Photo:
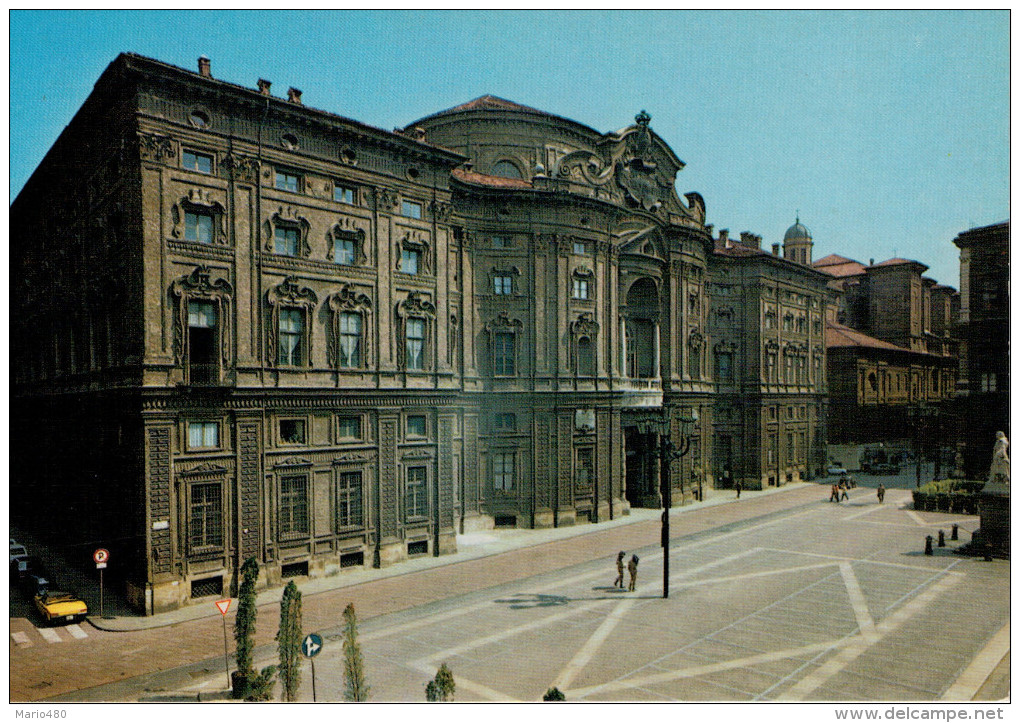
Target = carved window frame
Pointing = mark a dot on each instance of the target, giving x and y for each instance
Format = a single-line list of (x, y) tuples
[(295, 469), (355, 235), (503, 324), (513, 272), (199, 201), (582, 274), (344, 495), (288, 294), (286, 217), (414, 515), (728, 349), (416, 306), (584, 327), (210, 474), (199, 286), (349, 301), (418, 241)]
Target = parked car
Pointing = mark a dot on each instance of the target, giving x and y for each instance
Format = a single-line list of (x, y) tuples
[(885, 468), (35, 579), (19, 558), (59, 606), (834, 470)]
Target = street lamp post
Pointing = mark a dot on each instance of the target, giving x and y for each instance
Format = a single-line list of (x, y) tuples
[(667, 453)]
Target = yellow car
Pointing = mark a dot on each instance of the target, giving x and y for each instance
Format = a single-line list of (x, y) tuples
[(58, 606)]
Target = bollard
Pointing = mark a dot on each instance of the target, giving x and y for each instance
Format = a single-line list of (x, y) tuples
[(956, 533), (927, 546), (942, 538)]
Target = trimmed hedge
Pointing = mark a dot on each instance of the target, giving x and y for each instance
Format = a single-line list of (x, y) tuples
[(948, 495)]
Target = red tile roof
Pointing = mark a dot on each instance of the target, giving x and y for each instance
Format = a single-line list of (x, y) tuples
[(481, 179), (839, 266), (837, 335), (900, 262)]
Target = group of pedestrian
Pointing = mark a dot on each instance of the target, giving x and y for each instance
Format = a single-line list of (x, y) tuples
[(839, 490), (631, 568)]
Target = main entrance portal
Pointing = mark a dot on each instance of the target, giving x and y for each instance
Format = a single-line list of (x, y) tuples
[(642, 468)]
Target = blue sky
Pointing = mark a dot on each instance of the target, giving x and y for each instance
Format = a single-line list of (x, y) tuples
[(888, 131)]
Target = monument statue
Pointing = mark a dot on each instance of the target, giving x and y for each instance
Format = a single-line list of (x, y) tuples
[(998, 475)]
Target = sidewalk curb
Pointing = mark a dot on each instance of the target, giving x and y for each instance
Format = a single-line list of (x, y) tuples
[(196, 611)]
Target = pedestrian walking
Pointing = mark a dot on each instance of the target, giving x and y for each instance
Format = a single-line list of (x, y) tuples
[(618, 582), (739, 487), (842, 489), (834, 497), (632, 568), (881, 493)]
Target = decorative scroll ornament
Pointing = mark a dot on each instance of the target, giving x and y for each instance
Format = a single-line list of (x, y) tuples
[(294, 462), (441, 211), (346, 229), (205, 469), (160, 149), (387, 199), (243, 169), (503, 321), (695, 340), (200, 285), (416, 304), (584, 325)]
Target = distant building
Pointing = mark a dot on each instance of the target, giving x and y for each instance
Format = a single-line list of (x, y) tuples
[(891, 353), (984, 335), (243, 327)]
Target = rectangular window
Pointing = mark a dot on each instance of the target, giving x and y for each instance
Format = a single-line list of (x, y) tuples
[(197, 162), (502, 285), (584, 473), (350, 428), (343, 194), (203, 364), (989, 382), (286, 181), (350, 340), (409, 259), (293, 505), (349, 499), (503, 353), (205, 527), (502, 242), (503, 471), (292, 431), (198, 227), (292, 325), (415, 343), (287, 240), (725, 360), (580, 288), (505, 421), (343, 251), (203, 435), (411, 209), (416, 492), (416, 425), (580, 247)]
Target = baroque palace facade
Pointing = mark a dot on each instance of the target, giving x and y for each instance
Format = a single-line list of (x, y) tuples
[(244, 327)]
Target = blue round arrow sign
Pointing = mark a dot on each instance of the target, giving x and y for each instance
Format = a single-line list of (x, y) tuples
[(311, 645)]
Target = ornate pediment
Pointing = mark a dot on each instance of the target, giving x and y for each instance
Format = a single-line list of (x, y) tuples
[(206, 469), (349, 299), (502, 320), (294, 462), (289, 293), (244, 169), (584, 325), (161, 149), (416, 304)]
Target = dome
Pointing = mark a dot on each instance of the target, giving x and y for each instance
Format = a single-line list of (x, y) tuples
[(797, 232)]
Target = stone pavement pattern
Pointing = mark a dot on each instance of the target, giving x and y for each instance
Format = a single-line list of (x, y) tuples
[(783, 597)]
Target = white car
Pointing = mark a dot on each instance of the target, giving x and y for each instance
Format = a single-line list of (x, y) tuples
[(835, 470), (19, 557)]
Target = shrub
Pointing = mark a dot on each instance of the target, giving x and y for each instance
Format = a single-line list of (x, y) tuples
[(553, 695), (441, 688)]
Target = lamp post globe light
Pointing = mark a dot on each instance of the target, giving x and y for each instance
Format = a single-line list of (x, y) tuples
[(667, 453)]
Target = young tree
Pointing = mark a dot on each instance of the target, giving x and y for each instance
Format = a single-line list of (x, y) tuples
[(553, 695), (260, 687), (244, 628), (355, 688), (441, 688), (288, 640)]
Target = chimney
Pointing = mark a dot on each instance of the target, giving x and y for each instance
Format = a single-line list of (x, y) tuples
[(775, 249), (294, 95), (264, 86), (750, 240), (724, 236), (203, 67), (871, 262)]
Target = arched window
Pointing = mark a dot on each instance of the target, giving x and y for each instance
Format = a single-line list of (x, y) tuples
[(506, 169)]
